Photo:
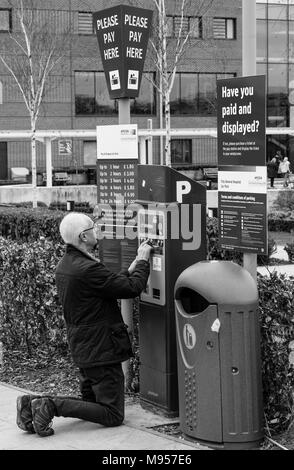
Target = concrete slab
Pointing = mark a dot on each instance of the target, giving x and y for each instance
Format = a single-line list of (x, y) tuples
[(74, 434)]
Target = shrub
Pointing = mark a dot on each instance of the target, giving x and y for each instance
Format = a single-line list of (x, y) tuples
[(30, 313), (24, 224), (281, 221), (284, 201), (78, 207), (214, 252), (289, 248), (276, 306)]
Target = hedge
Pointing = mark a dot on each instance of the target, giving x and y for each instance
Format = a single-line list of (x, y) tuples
[(25, 224), (276, 306), (20, 222), (281, 221), (31, 316)]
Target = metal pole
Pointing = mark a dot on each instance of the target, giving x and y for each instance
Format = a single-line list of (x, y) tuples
[(142, 147), (249, 68), (248, 37), (150, 145), (124, 117), (160, 82), (48, 162)]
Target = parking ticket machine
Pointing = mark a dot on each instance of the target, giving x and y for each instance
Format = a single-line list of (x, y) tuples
[(172, 217)]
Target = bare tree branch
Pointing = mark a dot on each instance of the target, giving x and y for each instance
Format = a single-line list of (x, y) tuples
[(36, 48)]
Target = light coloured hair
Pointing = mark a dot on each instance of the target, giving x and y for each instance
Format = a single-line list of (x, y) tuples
[(72, 225)]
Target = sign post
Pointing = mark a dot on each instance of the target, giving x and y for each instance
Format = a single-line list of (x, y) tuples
[(123, 33), (249, 68)]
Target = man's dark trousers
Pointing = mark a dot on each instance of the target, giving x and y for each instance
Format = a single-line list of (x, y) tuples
[(102, 402)]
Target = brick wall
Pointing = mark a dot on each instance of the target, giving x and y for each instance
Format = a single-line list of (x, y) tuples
[(57, 111)]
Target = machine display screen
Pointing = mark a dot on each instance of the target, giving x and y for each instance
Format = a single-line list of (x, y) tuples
[(151, 224)]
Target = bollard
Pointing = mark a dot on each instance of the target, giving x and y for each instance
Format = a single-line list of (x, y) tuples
[(70, 205), (1, 356)]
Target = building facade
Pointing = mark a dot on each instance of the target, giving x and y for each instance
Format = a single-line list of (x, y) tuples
[(76, 95)]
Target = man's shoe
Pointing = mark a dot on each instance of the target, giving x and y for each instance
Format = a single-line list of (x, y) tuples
[(43, 411), (24, 417)]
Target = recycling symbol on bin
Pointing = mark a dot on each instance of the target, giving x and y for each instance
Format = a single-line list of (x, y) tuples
[(189, 336)]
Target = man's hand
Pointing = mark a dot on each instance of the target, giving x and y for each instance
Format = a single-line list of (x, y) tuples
[(143, 252)]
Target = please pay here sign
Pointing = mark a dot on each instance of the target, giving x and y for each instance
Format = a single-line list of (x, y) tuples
[(123, 34)]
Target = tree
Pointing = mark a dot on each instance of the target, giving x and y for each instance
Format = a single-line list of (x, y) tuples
[(170, 50), (169, 44), (36, 46)]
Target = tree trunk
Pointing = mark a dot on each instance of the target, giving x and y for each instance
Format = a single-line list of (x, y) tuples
[(34, 163), (167, 148)]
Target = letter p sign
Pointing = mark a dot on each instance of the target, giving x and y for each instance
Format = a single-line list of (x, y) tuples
[(183, 187)]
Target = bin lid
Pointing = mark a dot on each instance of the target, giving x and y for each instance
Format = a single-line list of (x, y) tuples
[(219, 282)]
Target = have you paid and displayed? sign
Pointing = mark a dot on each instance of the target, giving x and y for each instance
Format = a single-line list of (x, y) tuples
[(123, 34), (242, 174), (241, 121)]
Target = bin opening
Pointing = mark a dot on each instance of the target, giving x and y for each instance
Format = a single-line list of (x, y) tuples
[(192, 301)]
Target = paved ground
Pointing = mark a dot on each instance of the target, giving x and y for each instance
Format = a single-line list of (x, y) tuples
[(75, 434)]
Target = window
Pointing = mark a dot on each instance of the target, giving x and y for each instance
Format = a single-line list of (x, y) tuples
[(181, 151), (277, 95), (277, 40), (85, 22), (5, 20), (103, 104), (207, 93), (85, 92), (195, 93), (177, 25), (277, 12), (145, 103), (92, 98), (261, 40), (224, 28), (184, 96), (260, 11)]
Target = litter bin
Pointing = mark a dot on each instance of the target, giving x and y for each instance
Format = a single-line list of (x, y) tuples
[(218, 355)]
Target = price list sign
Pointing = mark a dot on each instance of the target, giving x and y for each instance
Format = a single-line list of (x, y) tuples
[(117, 160), (116, 182)]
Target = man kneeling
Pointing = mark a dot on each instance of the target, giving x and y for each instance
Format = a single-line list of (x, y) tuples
[(97, 336)]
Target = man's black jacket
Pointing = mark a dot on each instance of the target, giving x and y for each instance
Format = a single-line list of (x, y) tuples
[(88, 292)]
